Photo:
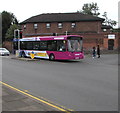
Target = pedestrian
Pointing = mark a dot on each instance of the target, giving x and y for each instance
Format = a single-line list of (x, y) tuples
[(98, 51), (94, 52)]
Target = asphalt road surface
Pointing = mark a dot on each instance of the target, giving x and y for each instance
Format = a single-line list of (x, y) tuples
[(86, 85)]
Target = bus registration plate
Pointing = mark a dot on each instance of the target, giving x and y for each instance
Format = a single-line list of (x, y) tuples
[(76, 57)]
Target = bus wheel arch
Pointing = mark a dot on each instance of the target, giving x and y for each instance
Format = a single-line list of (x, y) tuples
[(51, 56)]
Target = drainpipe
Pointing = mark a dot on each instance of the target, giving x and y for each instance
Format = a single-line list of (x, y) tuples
[(66, 33)]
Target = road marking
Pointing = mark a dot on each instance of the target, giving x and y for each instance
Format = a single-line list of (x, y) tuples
[(36, 98)]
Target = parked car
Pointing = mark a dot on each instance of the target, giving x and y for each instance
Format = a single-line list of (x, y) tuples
[(4, 52)]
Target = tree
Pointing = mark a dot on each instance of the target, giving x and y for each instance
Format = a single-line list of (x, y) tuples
[(91, 9), (8, 19), (107, 21), (10, 32)]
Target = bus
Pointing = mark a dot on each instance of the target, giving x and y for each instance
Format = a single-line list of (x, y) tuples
[(67, 47)]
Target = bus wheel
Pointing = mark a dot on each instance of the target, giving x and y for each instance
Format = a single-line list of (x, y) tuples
[(51, 57)]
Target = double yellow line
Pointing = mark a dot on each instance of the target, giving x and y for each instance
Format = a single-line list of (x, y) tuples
[(36, 98)]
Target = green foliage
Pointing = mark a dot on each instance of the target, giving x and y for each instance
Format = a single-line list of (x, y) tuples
[(8, 19), (10, 32), (91, 9), (107, 21)]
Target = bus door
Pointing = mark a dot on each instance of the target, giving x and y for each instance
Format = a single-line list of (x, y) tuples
[(61, 48), (110, 44)]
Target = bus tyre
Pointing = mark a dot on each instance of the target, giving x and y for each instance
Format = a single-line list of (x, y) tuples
[(51, 57)]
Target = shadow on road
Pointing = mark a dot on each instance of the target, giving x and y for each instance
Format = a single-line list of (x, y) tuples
[(63, 61)]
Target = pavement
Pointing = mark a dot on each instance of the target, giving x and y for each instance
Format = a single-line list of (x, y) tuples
[(15, 101)]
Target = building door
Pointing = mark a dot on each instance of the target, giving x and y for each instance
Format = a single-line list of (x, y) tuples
[(110, 44)]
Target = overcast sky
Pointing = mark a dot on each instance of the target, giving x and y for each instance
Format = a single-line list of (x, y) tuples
[(24, 9)]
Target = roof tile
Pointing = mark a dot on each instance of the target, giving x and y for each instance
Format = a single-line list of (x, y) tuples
[(61, 17)]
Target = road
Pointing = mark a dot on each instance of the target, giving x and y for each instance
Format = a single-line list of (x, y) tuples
[(86, 85)]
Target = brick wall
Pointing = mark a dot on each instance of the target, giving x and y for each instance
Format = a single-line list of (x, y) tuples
[(8, 45), (80, 27)]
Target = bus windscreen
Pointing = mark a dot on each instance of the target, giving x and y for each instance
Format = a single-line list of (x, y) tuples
[(75, 44)]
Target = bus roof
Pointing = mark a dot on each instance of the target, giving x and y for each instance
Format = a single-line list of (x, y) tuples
[(62, 37)]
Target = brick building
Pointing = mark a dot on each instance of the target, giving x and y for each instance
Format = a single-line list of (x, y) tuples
[(90, 27)]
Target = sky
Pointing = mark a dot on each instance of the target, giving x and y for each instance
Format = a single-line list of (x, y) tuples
[(24, 9)]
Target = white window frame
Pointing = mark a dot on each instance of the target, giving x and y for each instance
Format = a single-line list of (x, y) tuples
[(48, 25), (104, 30), (60, 25), (24, 26), (73, 24), (35, 26)]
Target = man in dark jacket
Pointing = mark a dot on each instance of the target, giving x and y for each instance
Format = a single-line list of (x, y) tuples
[(98, 51)]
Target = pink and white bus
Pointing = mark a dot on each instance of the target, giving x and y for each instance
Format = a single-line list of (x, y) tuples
[(65, 47)]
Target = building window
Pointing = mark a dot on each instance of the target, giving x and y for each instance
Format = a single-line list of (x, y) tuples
[(60, 25), (48, 25), (35, 26), (104, 30), (24, 26), (73, 25)]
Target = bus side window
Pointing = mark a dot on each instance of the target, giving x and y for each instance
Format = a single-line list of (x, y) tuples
[(52, 45), (36, 45), (23, 45), (43, 45), (49, 45), (29, 45)]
